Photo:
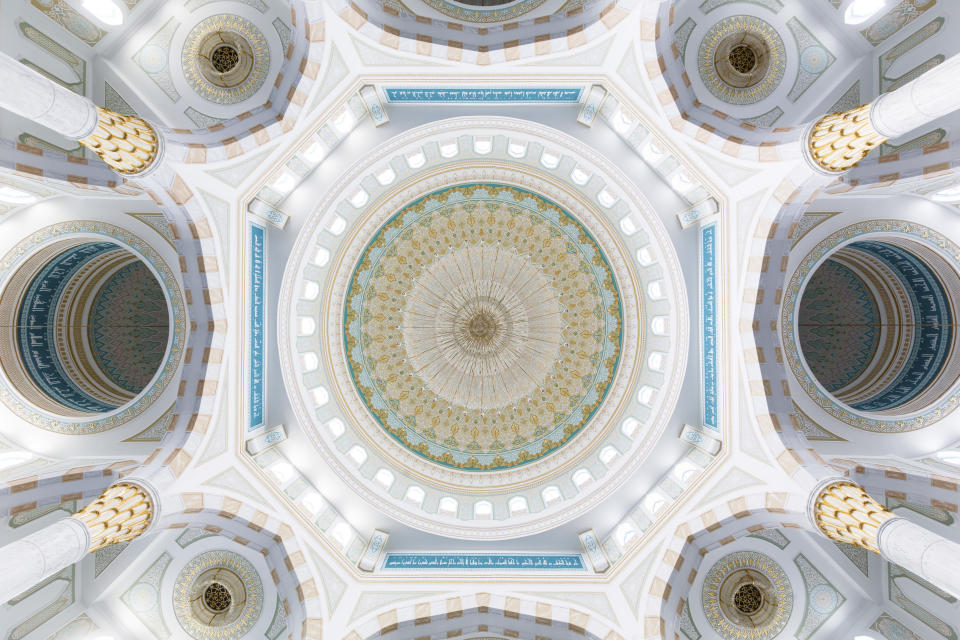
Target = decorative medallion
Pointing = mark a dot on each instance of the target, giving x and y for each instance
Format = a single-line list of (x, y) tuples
[(869, 393), (99, 379), (218, 596), (742, 60), (483, 326), (747, 596), (484, 11), (225, 59)]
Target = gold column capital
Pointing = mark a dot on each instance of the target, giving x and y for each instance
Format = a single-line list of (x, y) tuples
[(844, 512), (839, 141), (128, 144), (121, 513)]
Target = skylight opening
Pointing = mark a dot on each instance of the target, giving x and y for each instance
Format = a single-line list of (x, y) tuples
[(282, 472), (386, 176), (579, 176), (306, 325), (310, 290), (284, 182), (622, 122), (448, 506), (315, 152), (358, 454), (518, 505), (608, 454), (550, 495), (629, 427), (624, 534), (483, 510), (416, 160), (644, 257), (415, 495), (341, 534), (336, 225), (582, 477), (653, 152), (659, 326), (860, 11), (449, 149), (106, 11), (606, 198), (344, 122), (384, 477), (483, 144), (628, 226), (309, 360), (359, 198), (655, 502), (336, 427), (516, 149), (313, 502), (656, 360), (321, 256), (645, 395), (320, 395), (549, 160)]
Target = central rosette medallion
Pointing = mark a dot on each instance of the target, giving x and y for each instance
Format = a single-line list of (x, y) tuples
[(482, 326)]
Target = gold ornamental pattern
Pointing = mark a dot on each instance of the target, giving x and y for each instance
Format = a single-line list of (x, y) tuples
[(121, 513), (840, 140), (846, 513), (482, 327), (127, 144)]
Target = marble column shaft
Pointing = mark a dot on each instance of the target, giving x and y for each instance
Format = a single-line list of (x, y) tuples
[(31, 95), (121, 513), (920, 102), (922, 551), (41, 554)]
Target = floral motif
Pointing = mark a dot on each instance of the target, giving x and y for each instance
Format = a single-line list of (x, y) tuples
[(483, 326)]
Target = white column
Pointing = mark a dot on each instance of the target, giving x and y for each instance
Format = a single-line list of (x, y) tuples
[(921, 551), (29, 94), (919, 102), (41, 554)]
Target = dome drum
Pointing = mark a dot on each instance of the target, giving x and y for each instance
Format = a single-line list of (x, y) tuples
[(465, 270), (871, 329), (94, 327)]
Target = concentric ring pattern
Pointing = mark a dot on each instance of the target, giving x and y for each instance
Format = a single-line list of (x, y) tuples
[(483, 326)]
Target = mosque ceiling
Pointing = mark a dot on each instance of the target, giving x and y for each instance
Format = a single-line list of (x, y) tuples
[(484, 319)]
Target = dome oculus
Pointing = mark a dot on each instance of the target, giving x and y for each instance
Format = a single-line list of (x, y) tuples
[(482, 326), (742, 60)]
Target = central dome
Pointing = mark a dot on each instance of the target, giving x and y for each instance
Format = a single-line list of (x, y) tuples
[(483, 326)]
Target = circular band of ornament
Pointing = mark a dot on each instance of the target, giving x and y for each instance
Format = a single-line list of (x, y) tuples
[(212, 45), (881, 229), (11, 274), (509, 322), (742, 60), (218, 595), (476, 329), (747, 596)]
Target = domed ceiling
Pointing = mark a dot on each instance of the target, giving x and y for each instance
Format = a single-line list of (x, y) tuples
[(483, 329)]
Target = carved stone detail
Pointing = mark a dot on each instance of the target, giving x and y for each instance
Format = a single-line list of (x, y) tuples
[(128, 144), (845, 513), (839, 141), (120, 514)]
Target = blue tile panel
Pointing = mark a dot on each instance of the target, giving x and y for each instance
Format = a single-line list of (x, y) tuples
[(483, 95), (484, 561), (37, 321), (708, 309), (931, 309), (257, 327)]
